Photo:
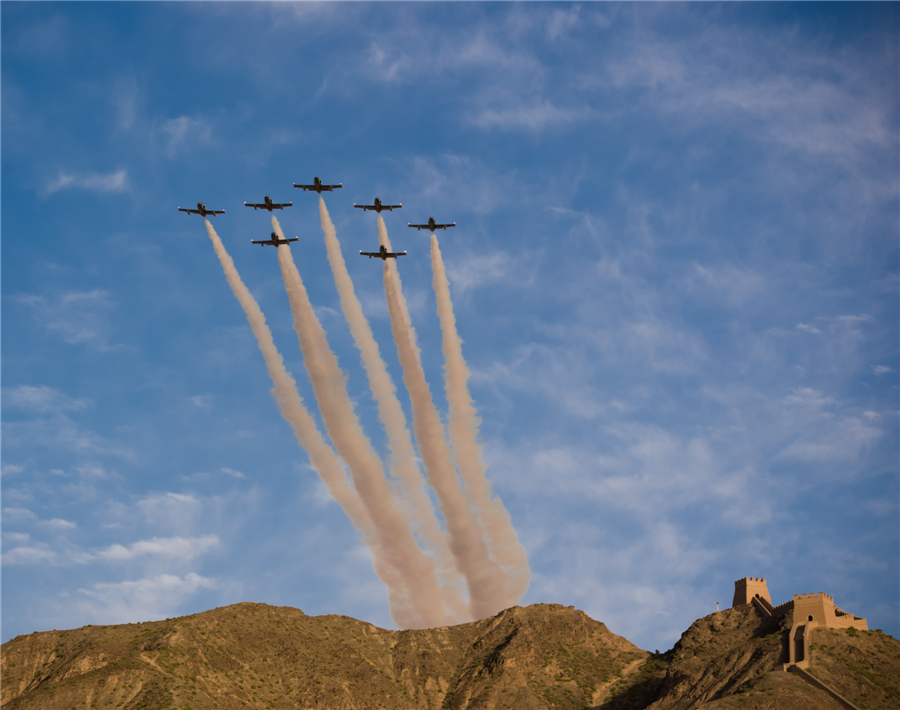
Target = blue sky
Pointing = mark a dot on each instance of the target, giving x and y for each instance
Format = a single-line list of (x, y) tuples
[(675, 271)]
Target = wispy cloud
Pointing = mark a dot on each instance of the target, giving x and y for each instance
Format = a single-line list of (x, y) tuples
[(78, 317), (41, 399), (179, 548), (203, 401), (531, 116), (185, 131), (124, 101), (29, 555), (113, 182), (59, 432), (807, 328), (140, 600)]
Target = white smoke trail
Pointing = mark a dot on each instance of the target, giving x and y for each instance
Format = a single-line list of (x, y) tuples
[(321, 456), (503, 543), (487, 594), (391, 528), (390, 412)]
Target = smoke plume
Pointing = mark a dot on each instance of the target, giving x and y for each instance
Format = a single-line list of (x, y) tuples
[(487, 593), (502, 541), (399, 439), (321, 456), (391, 528)]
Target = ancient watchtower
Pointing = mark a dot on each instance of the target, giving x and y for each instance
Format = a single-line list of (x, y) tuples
[(747, 588)]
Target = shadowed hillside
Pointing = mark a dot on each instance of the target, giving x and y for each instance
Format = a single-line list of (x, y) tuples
[(542, 656)]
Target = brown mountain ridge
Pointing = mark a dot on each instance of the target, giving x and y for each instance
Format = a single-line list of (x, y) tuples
[(536, 657)]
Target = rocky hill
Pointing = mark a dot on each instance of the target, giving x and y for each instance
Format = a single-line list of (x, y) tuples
[(537, 657)]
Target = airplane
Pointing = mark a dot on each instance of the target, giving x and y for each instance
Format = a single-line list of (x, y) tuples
[(201, 210), (269, 205), (383, 254), (378, 206), (275, 241), (431, 225), (318, 186)]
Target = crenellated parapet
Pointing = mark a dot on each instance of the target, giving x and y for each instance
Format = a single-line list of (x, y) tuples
[(815, 595), (783, 608)]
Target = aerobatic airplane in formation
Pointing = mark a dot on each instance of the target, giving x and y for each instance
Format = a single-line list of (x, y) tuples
[(268, 205), (378, 206), (431, 225), (275, 241), (318, 186), (382, 254), (201, 210)]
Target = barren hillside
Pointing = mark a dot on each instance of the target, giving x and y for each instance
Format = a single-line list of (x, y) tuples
[(542, 656)]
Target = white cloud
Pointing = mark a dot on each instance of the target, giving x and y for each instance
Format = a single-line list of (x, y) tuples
[(203, 401), (45, 39), (561, 21), (23, 515), (123, 100), (78, 317), (145, 599), (231, 472), (11, 469), (59, 524), (176, 512), (184, 132), (534, 116), (40, 399), (881, 369), (179, 548), (114, 182), (727, 282), (807, 328), (18, 514), (466, 273), (58, 432), (30, 555), (835, 440)]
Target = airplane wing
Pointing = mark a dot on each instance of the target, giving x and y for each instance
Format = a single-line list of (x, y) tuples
[(370, 254), (264, 242), (215, 212), (183, 209), (281, 206), (364, 208), (391, 207), (256, 207), (389, 255)]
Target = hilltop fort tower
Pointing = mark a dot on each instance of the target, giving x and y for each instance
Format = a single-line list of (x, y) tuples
[(749, 587)]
